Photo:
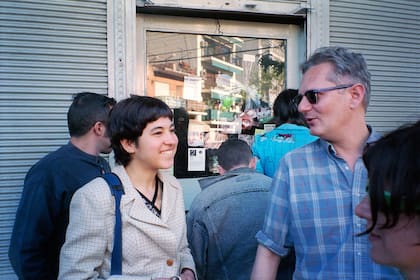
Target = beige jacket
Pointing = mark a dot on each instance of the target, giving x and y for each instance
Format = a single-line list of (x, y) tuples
[(152, 246)]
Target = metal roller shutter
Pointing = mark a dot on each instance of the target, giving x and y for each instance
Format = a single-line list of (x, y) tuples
[(388, 34), (49, 50)]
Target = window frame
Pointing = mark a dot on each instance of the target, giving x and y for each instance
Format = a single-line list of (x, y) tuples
[(293, 34)]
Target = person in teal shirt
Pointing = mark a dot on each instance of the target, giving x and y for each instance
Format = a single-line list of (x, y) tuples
[(290, 133)]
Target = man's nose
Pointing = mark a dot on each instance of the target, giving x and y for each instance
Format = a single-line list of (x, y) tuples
[(304, 105)]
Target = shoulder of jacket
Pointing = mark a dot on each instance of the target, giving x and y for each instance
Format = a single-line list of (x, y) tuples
[(97, 188), (254, 175)]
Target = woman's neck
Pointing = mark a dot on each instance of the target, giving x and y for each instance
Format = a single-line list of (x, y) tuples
[(142, 179)]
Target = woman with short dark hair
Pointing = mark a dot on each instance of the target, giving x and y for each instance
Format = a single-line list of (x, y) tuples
[(154, 243)]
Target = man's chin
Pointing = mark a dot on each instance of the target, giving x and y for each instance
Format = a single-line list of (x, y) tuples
[(107, 151), (314, 131)]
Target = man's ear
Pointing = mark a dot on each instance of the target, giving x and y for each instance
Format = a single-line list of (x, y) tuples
[(99, 129), (253, 163), (128, 145), (221, 170), (357, 92)]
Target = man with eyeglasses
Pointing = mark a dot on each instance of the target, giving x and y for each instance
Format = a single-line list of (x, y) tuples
[(317, 187)]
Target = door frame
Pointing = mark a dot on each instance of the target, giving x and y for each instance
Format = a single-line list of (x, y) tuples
[(293, 34)]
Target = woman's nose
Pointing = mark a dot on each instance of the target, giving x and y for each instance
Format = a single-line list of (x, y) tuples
[(363, 209), (171, 138)]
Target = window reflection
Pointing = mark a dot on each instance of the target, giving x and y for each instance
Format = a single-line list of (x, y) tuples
[(226, 84)]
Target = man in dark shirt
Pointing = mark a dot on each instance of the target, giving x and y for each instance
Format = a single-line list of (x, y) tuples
[(43, 212)]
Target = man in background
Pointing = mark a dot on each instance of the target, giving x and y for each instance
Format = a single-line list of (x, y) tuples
[(225, 216), (43, 212)]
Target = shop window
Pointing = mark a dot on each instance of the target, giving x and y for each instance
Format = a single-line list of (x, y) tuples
[(227, 84)]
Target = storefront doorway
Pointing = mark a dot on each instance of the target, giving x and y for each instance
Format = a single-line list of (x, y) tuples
[(225, 74)]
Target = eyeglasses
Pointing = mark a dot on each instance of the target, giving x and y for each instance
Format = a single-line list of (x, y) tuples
[(312, 94)]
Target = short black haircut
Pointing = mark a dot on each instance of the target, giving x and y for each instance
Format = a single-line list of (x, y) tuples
[(233, 153), (128, 119), (393, 165), (86, 109)]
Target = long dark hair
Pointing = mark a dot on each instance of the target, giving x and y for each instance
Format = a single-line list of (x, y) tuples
[(393, 165), (285, 109)]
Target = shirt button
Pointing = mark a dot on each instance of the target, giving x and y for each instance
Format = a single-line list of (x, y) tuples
[(169, 262), (359, 254)]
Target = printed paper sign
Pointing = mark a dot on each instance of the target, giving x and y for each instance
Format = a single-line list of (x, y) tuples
[(192, 88), (196, 159)]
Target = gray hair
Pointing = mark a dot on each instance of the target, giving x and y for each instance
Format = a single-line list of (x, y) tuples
[(346, 64)]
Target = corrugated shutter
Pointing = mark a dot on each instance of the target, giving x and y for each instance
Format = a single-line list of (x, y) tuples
[(49, 50), (388, 34)]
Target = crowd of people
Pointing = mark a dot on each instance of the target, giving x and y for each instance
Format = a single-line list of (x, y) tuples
[(321, 196)]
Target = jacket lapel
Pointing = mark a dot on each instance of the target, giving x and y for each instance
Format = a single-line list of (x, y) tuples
[(133, 204), (169, 198)]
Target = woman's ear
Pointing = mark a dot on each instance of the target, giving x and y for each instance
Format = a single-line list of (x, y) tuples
[(128, 145)]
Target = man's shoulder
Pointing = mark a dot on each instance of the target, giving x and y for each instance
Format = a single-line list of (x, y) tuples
[(62, 153), (66, 155), (64, 165), (223, 195), (234, 184), (246, 180), (48, 161), (307, 149), (305, 155), (253, 176)]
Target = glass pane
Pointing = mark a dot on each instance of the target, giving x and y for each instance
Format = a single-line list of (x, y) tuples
[(226, 84)]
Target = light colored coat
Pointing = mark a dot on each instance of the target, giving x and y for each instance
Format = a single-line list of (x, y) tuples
[(152, 246)]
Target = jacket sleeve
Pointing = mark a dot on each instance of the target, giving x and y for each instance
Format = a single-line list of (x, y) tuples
[(84, 250), (198, 241), (33, 243), (187, 260)]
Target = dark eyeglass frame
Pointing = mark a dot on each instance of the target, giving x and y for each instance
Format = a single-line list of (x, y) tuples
[(312, 94)]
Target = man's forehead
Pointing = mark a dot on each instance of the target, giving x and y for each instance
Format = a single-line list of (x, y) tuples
[(316, 76)]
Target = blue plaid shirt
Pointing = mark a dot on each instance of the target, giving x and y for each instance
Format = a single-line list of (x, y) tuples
[(314, 194)]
